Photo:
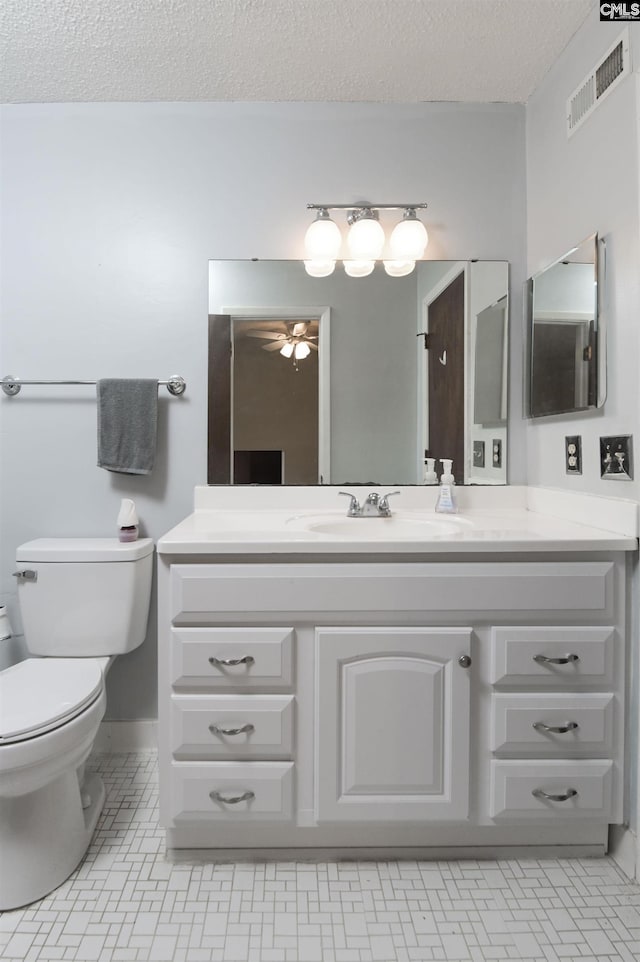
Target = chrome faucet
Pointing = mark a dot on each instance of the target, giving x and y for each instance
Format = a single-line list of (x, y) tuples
[(375, 506)]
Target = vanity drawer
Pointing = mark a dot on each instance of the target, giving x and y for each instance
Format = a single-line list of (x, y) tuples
[(524, 725), (211, 593), (513, 784), (254, 791), (553, 657), (231, 658), (215, 726)]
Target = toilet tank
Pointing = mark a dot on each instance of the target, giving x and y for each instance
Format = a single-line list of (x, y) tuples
[(84, 597)]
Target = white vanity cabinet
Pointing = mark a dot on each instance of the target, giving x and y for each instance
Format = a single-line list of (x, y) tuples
[(408, 705)]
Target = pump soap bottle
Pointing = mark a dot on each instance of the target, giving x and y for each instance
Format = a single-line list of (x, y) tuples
[(430, 476), (446, 503), (127, 521)]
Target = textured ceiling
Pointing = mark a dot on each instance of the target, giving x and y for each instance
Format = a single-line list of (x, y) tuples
[(281, 50)]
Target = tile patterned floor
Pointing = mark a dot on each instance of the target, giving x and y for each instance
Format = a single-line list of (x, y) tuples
[(125, 902)]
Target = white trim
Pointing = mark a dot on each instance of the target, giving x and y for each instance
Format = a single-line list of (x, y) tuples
[(623, 850), (423, 853), (127, 736), (323, 316)]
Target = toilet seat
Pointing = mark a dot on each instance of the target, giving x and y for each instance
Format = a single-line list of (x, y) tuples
[(40, 694)]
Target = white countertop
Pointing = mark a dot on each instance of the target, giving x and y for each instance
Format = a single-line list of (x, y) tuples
[(312, 529)]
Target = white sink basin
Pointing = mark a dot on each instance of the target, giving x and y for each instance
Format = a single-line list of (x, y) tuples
[(396, 528)]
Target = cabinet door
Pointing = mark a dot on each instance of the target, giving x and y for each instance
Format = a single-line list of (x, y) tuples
[(392, 724)]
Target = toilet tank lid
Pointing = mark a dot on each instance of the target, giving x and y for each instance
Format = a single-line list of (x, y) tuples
[(83, 549)]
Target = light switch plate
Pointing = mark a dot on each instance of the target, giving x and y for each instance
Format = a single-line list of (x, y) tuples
[(616, 458), (478, 454)]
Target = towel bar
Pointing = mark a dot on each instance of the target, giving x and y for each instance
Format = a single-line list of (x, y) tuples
[(11, 385)]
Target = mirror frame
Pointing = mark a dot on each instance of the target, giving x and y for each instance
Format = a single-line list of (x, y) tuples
[(597, 343)]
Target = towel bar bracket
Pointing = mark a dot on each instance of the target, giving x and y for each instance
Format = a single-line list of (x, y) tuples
[(11, 385)]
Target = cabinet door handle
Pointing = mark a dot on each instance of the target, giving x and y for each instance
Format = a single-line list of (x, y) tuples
[(545, 660), (245, 797), (232, 662), (556, 729), (245, 730), (551, 797)]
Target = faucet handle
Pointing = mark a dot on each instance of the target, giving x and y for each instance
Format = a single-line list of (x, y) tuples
[(383, 504), (354, 507)]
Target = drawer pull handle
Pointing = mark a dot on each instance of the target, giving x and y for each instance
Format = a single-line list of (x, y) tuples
[(551, 797), (232, 662), (556, 729), (245, 797), (245, 730), (545, 660)]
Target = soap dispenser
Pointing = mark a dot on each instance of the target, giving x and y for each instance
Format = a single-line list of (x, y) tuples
[(430, 476), (446, 503)]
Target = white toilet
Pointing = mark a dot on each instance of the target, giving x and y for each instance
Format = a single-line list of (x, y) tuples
[(82, 601)]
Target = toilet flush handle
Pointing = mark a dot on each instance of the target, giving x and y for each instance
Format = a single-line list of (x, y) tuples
[(27, 575)]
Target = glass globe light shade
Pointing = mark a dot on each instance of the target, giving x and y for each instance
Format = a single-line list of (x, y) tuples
[(323, 238), (287, 349), (301, 351), (399, 268), (319, 268), (365, 239), (408, 239), (358, 268)]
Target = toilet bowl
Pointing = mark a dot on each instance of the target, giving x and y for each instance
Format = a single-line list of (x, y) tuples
[(51, 707)]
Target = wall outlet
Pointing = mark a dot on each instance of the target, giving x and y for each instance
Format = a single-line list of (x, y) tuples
[(616, 462), (573, 454), (496, 453), (478, 454)]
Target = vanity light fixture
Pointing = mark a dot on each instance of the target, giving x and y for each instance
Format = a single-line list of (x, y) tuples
[(365, 240)]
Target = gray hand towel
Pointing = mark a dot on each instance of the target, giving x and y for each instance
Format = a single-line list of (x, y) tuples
[(127, 424)]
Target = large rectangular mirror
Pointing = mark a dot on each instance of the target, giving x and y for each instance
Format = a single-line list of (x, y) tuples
[(564, 334), (339, 380)]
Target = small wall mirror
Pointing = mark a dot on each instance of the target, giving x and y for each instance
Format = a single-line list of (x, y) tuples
[(566, 344), (341, 380)]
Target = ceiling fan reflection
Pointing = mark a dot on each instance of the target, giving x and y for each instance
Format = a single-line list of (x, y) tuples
[(296, 343)]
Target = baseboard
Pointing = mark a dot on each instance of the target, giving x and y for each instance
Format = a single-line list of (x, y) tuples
[(127, 736), (623, 849), (428, 854)]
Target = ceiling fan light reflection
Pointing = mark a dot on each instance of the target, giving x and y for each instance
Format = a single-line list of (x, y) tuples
[(287, 349), (409, 238), (359, 268), (301, 351), (319, 268), (399, 268), (365, 239)]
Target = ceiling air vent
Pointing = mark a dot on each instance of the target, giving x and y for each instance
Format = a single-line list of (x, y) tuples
[(604, 78)]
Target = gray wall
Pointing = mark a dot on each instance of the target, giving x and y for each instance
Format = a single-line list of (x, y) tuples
[(110, 213), (574, 188)]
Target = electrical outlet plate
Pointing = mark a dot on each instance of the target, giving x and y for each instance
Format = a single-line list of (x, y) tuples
[(573, 454), (496, 453), (616, 458), (478, 454)]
